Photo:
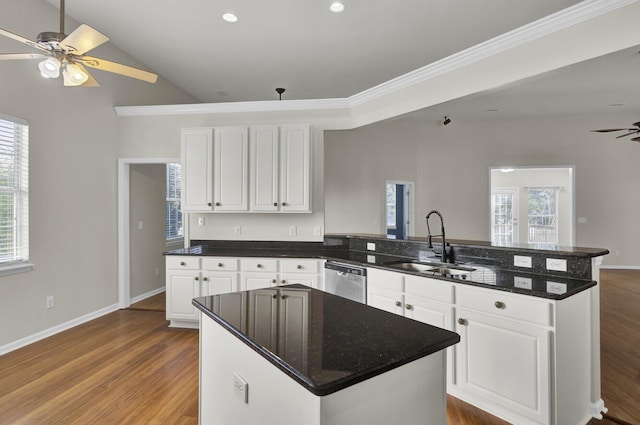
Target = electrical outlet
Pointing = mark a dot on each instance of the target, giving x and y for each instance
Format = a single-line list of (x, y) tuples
[(240, 388), (293, 230), (201, 221), (237, 230), (371, 246), (317, 230), (140, 225), (157, 271), (50, 301), (557, 264), (522, 261), (522, 282)]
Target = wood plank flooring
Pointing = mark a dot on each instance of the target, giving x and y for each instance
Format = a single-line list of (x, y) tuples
[(156, 302), (129, 368)]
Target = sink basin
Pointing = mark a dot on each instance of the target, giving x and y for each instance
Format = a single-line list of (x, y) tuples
[(440, 269)]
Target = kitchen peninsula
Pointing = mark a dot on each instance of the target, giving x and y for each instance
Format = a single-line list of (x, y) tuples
[(295, 355)]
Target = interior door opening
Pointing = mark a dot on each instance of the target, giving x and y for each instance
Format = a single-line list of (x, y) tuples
[(399, 209)]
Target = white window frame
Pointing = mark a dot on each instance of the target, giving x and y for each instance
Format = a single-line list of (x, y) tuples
[(14, 148)]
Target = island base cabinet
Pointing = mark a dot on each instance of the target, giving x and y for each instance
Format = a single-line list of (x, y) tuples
[(413, 393)]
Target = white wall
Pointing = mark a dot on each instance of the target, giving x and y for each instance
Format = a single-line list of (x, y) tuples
[(73, 136), (147, 205), (450, 166)]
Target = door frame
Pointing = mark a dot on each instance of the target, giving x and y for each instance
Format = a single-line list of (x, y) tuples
[(124, 254)]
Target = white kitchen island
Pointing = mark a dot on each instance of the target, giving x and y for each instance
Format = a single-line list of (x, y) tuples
[(294, 355)]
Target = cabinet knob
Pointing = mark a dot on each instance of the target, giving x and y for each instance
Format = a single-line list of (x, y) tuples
[(182, 263), (398, 304), (462, 321), (499, 304), (274, 296), (206, 279), (299, 267), (220, 265), (196, 278), (259, 266), (409, 306), (283, 281), (217, 204), (208, 203), (273, 281), (284, 204), (284, 297), (275, 204)]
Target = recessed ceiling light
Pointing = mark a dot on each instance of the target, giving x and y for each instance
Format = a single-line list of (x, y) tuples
[(230, 17), (492, 110), (336, 7)]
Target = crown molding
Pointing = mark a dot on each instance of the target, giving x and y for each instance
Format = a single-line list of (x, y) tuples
[(583, 11)]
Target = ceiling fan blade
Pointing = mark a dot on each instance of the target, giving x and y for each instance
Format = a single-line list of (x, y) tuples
[(628, 134), (636, 139), (117, 68), (607, 130), (83, 39), (14, 56), (21, 39)]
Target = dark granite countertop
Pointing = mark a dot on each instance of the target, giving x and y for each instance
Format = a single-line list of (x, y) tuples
[(346, 342)]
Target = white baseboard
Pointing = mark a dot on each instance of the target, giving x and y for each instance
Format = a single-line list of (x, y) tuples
[(23, 342), (620, 267), (147, 295)]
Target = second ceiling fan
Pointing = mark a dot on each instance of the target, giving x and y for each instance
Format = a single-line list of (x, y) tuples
[(65, 54)]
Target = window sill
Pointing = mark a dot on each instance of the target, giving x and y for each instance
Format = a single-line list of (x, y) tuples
[(15, 268)]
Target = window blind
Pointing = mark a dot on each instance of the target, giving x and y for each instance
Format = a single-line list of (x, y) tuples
[(14, 190)]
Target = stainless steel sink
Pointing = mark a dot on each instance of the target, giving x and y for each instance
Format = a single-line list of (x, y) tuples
[(440, 269)]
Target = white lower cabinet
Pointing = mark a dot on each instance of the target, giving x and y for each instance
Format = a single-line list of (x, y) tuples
[(522, 358), (190, 277)]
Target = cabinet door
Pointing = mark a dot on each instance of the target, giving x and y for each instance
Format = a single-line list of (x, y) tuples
[(231, 169), (197, 169), (182, 287), (309, 280), (384, 299), (505, 363), (293, 328), (295, 168), (214, 283), (262, 325), (251, 281), (264, 154)]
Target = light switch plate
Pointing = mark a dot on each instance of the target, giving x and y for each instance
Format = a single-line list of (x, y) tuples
[(522, 261), (557, 264)]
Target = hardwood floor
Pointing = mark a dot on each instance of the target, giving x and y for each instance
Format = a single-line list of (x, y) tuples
[(155, 303), (129, 368)]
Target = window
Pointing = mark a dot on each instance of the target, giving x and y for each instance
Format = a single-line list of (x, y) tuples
[(174, 213), (504, 210), (14, 193), (543, 215)]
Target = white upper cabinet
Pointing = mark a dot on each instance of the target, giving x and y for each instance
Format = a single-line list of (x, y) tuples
[(197, 170), (265, 181), (280, 167), (230, 181), (295, 168)]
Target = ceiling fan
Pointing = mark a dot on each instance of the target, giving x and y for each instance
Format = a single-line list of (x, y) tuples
[(66, 54), (629, 131)]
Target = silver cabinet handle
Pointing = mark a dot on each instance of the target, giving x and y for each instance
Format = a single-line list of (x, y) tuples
[(220, 265), (206, 279), (283, 281), (299, 266), (273, 281), (462, 321), (398, 304), (409, 306), (182, 263), (499, 304), (259, 266)]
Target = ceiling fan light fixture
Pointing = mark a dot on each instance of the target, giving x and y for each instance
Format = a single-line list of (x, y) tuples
[(74, 75), (50, 68)]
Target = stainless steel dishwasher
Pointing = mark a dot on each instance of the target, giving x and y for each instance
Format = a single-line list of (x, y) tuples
[(346, 280)]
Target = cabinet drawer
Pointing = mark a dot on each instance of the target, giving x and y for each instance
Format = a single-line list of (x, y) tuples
[(184, 263), (385, 279), (258, 265), (226, 264), (528, 309), (300, 266), (432, 289)]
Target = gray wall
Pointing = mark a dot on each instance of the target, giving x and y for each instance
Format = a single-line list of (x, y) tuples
[(147, 205), (73, 136), (450, 166)]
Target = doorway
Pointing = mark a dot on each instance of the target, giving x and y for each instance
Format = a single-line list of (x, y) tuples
[(125, 223), (532, 205), (399, 209)]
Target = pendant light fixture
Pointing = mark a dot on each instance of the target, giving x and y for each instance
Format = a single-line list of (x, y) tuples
[(73, 75), (50, 68)]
